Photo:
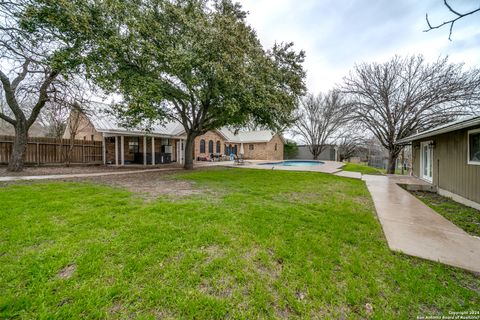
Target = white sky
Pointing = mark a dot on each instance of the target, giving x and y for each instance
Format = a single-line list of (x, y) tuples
[(336, 34)]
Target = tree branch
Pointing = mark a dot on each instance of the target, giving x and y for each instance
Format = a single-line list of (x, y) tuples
[(449, 22)]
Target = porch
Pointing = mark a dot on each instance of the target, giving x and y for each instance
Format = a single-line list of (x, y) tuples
[(122, 150)]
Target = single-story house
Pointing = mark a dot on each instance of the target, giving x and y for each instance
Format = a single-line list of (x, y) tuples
[(167, 141), (448, 157), (329, 153), (256, 145)]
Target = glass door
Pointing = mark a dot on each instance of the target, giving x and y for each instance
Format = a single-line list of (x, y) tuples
[(427, 161)]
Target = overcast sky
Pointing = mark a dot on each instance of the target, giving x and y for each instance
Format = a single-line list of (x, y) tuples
[(336, 34)]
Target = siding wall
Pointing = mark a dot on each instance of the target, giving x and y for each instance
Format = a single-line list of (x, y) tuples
[(451, 171)]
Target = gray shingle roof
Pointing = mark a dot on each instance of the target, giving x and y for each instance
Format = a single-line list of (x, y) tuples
[(106, 122)]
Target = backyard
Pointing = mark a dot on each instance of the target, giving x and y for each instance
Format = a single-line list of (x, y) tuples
[(220, 243)]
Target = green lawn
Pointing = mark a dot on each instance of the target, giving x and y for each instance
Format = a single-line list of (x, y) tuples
[(256, 244), (362, 168), (465, 217)]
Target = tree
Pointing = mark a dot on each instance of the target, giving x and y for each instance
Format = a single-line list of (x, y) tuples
[(290, 149), (33, 56), (199, 63), (319, 119), (451, 22), (405, 95), (349, 142)]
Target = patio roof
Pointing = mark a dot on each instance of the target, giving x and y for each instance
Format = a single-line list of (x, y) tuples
[(107, 123)]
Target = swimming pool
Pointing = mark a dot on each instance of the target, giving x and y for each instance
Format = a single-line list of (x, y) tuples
[(294, 163)]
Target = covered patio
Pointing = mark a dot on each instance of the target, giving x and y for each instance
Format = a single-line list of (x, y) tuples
[(137, 149)]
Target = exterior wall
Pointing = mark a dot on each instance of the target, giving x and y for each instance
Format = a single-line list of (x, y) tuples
[(451, 171), (305, 154), (85, 129), (211, 135), (261, 151)]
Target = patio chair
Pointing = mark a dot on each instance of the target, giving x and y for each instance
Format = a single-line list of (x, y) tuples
[(238, 160)]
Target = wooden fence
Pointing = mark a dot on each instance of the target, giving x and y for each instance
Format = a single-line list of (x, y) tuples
[(51, 150)]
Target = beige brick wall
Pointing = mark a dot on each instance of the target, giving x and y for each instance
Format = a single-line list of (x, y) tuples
[(213, 136), (265, 151), (261, 151)]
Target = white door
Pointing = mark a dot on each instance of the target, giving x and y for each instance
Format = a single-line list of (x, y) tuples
[(427, 161)]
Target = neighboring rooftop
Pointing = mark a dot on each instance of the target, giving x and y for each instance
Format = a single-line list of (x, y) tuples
[(36, 130), (449, 127)]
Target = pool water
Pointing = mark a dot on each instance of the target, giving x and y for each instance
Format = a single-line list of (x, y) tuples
[(293, 163)]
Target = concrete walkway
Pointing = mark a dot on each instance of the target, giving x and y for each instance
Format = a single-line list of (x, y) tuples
[(415, 229)]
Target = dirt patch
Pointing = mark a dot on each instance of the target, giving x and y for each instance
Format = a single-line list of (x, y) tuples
[(150, 185), (220, 288), (67, 272), (213, 252), (55, 170)]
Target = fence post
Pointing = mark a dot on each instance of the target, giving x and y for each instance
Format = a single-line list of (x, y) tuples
[(38, 153)]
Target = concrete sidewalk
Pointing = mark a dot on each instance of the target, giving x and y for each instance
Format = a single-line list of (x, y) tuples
[(413, 228)]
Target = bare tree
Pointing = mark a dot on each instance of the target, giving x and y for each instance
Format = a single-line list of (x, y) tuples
[(319, 118), (349, 141), (406, 95), (66, 97), (33, 56), (451, 22)]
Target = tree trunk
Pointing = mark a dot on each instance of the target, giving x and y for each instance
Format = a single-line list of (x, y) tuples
[(17, 158), (189, 143), (392, 161)]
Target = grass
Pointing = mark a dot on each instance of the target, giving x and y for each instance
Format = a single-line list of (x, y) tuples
[(363, 169), (257, 244), (464, 217)]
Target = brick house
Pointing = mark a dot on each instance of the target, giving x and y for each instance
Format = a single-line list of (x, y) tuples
[(257, 145), (165, 143)]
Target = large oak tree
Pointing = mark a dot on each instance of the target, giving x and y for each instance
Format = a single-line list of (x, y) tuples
[(405, 95), (197, 62)]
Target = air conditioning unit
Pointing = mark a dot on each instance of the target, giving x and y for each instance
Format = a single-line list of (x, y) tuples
[(167, 149)]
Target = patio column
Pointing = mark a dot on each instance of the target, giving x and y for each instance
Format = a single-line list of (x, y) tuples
[(122, 150), (182, 152), (178, 152), (144, 150), (116, 150), (153, 151), (104, 150)]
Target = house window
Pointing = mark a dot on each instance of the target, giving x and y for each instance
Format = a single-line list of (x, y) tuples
[(218, 151), (474, 147), (275, 147), (251, 147), (202, 146), (210, 146), (133, 147)]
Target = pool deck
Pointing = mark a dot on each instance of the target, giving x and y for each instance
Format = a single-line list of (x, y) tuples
[(326, 167)]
